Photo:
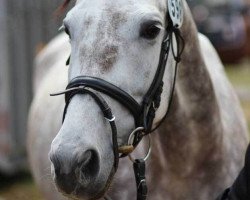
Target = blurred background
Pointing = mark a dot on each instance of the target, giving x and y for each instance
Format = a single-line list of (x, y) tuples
[(25, 28)]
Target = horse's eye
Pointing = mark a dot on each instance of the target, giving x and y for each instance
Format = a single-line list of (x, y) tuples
[(149, 31)]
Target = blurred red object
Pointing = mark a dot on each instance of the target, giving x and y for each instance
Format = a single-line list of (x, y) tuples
[(226, 24), (246, 14)]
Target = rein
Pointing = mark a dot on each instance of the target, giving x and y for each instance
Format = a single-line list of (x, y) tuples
[(143, 114)]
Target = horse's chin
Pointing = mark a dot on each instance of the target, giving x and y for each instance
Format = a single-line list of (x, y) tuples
[(95, 191), (80, 193)]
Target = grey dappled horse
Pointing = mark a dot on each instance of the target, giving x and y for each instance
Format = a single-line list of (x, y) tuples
[(198, 149)]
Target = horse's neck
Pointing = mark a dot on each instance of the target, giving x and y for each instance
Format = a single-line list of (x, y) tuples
[(191, 135)]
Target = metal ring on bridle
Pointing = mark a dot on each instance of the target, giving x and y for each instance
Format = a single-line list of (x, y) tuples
[(130, 142), (111, 120)]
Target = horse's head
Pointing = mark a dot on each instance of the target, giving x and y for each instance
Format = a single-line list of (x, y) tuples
[(120, 42)]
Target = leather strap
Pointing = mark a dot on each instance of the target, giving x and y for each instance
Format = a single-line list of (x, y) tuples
[(109, 89), (140, 170)]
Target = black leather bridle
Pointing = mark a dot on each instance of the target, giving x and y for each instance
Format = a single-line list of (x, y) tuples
[(143, 113)]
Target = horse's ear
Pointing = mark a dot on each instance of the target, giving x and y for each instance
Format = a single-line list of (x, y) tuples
[(175, 12), (62, 8)]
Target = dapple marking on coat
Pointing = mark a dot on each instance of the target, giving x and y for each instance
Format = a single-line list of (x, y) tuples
[(197, 151)]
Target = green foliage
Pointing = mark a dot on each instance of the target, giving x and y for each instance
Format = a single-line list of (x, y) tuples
[(20, 187), (239, 75)]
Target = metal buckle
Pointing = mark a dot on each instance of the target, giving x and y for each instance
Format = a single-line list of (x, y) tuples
[(131, 139)]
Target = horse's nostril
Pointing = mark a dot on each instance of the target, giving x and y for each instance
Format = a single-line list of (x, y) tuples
[(64, 176), (75, 170), (89, 167), (85, 158)]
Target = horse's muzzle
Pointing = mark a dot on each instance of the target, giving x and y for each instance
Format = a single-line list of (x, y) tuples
[(74, 172)]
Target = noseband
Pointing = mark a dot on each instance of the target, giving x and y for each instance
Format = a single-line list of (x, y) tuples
[(143, 113)]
